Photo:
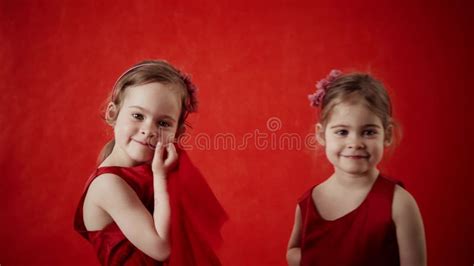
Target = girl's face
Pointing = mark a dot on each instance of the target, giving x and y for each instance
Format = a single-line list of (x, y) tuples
[(354, 138), (149, 113)]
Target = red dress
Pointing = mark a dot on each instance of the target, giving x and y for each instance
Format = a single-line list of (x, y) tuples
[(196, 218), (364, 236)]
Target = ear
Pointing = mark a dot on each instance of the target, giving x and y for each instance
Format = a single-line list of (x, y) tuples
[(320, 134), (388, 138), (111, 113)]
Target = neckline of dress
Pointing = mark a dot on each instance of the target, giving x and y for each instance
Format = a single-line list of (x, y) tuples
[(350, 213)]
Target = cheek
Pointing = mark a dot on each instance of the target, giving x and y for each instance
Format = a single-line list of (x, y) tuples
[(332, 148), (333, 143), (164, 134), (123, 129), (378, 150)]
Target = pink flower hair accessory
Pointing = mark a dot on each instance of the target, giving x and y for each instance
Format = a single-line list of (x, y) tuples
[(316, 99)]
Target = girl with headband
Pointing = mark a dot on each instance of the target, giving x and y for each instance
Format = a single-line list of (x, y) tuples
[(146, 204)]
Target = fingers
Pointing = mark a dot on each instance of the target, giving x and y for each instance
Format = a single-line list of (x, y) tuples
[(172, 154), (159, 151), (164, 161)]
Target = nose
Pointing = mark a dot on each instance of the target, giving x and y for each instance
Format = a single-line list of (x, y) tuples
[(355, 142), (148, 130)]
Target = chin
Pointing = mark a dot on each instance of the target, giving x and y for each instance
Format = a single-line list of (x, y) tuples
[(354, 170), (141, 158)]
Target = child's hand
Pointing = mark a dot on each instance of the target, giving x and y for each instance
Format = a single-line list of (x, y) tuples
[(163, 161)]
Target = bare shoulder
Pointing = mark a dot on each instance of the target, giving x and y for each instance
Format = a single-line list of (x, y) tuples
[(110, 189), (409, 227), (106, 183), (404, 204)]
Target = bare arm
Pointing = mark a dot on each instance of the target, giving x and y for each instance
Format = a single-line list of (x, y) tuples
[(119, 200), (160, 166), (293, 253), (148, 232), (410, 231)]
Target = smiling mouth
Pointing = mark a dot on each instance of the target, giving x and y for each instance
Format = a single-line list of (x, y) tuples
[(356, 157), (145, 144)]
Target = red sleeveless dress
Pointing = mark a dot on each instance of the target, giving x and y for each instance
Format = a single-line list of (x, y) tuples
[(364, 236), (196, 218)]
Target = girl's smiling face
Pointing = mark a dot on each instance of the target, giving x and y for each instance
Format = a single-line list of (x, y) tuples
[(148, 113), (353, 138)]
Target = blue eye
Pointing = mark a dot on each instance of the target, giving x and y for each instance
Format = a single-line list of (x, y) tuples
[(137, 116)]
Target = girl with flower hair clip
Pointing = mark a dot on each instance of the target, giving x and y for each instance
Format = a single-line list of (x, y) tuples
[(146, 203), (357, 216)]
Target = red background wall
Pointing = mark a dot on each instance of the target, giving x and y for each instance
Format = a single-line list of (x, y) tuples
[(252, 61)]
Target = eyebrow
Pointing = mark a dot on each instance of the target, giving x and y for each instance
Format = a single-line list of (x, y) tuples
[(144, 110), (346, 126)]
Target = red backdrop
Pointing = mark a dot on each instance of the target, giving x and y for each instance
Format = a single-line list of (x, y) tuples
[(254, 63)]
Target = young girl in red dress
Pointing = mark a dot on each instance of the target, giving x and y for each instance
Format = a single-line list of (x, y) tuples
[(357, 216), (146, 204)]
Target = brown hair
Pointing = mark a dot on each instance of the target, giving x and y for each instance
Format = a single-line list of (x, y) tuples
[(146, 72), (357, 86)]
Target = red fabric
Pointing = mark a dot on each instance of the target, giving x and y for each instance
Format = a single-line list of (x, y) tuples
[(364, 236), (196, 218)]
